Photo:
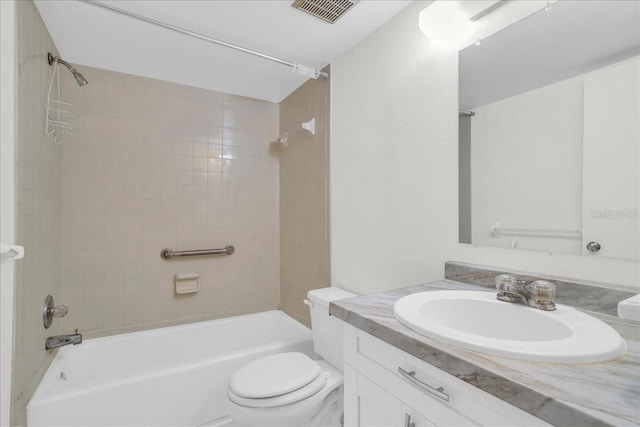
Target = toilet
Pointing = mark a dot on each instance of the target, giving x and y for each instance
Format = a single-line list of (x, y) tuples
[(291, 389)]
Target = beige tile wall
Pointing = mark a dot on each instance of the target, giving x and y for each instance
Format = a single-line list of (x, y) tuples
[(304, 197), (38, 209), (154, 165)]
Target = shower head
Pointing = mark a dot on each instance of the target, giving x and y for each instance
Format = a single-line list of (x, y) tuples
[(76, 74), (79, 77)]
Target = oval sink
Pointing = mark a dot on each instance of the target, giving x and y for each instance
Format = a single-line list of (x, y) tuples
[(477, 321)]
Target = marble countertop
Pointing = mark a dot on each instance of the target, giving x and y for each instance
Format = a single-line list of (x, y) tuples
[(595, 394)]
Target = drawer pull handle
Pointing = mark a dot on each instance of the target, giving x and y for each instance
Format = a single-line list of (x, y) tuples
[(411, 376)]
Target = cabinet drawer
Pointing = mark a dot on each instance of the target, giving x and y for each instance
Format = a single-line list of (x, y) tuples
[(446, 399), (436, 412)]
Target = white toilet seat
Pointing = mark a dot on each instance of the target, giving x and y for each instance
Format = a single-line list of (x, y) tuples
[(284, 399), (298, 412), (275, 375), (276, 380)]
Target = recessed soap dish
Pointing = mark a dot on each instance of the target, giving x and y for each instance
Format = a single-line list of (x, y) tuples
[(186, 283)]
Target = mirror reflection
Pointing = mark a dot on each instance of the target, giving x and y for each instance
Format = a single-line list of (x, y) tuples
[(549, 132)]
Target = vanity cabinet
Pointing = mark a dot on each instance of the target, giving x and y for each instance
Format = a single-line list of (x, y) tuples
[(385, 386)]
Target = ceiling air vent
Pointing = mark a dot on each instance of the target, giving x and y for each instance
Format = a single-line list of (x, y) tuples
[(327, 10)]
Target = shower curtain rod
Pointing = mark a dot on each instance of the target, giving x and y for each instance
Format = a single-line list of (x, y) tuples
[(298, 68)]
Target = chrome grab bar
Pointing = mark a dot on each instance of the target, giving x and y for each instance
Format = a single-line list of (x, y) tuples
[(167, 253), (411, 376)]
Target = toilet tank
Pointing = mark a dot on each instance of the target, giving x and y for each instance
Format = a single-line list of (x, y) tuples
[(327, 330)]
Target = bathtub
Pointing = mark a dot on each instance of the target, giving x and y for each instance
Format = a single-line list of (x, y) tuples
[(174, 376)]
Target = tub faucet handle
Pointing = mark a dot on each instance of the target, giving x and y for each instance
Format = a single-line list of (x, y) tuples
[(59, 311), (50, 310)]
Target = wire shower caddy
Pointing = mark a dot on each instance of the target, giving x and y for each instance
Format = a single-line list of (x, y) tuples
[(59, 118)]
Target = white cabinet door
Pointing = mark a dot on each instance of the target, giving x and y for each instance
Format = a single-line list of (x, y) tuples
[(377, 407), (413, 418)]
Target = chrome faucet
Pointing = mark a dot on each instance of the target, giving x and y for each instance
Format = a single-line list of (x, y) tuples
[(538, 294), (62, 340)]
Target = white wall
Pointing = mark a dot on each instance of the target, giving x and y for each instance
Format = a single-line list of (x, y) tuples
[(389, 152), (7, 196), (394, 160)]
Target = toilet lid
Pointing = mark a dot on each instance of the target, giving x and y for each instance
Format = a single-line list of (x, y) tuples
[(274, 375), (302, 393)]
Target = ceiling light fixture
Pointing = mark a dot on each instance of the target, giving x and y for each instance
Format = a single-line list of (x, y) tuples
[(488, 10), (446, 24)]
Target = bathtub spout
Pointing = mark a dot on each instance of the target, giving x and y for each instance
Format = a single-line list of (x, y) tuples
[(62, 340)]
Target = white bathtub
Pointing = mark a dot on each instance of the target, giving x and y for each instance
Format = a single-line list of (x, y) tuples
[(175, 376)]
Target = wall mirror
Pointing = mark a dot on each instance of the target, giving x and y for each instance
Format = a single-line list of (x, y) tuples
[(549, 132)]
